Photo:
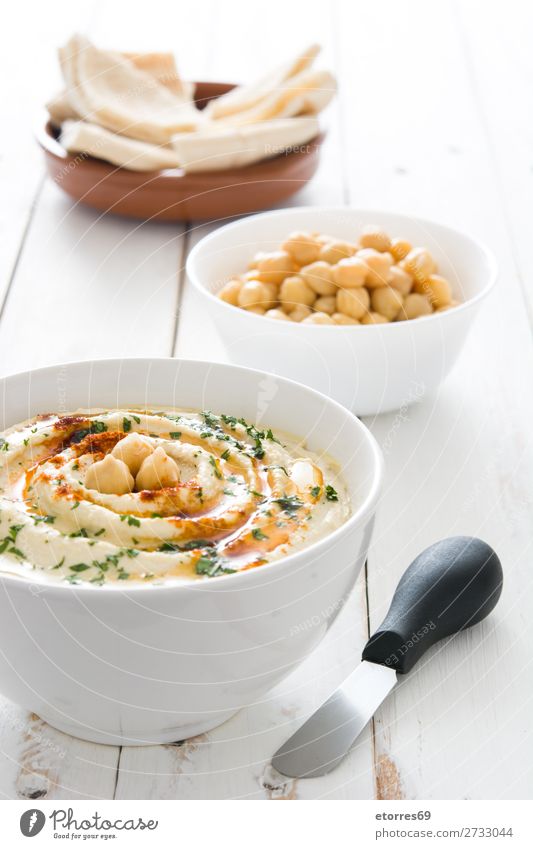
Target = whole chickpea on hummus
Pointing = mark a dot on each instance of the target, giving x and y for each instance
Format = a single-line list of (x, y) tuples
[(101, 497), (318, 279)]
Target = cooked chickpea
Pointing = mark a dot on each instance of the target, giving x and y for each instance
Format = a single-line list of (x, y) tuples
[(294, 290), (449, 306), (353, 302), (275, 267), (400, 280), (350, 273), (386, 301), (400, 248), (419, 263), (437, 289), (315, 278), (327, 304), (279, 315), (299, 313), (333, 252), (256, 294), (341, 318), (378, 264), (415, 306), (303, 248), (230, 292), (374, 318), (318, 276), (375, 237), (318, 318)]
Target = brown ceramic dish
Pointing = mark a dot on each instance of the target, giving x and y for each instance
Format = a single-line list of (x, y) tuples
[(171, 195)]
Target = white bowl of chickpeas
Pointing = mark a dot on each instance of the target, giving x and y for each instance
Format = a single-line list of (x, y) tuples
[(371, 308)]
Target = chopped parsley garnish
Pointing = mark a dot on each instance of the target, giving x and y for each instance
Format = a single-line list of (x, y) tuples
[(289, 503), (331, 494), (131, 520), (7, 545), (96, 427), (216, 471), (81, 533), (79, 567), (175, 434), (49, 520), (212, 567), (190, 545), (258, 534), (226, 454), (136, 419), (75, 505), (315, 491), (126, 424), (100, 532), (4, 444), (210, 420)]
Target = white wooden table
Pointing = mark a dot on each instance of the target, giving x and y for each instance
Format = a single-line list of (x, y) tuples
[(433, 119)]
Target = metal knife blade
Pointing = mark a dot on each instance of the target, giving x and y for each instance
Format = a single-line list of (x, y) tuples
[(327, 736)]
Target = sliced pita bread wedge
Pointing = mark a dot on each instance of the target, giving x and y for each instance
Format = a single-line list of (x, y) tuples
[(85, 138), (306, 93), (221, 147), (162, 67), (59, 109), (107, 89), (246, 97)]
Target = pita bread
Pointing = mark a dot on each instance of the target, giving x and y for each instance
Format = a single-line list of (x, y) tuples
[(59, 109), (82, 137), (245, 97), (107, 89), (306, 93), (224, 147), (162, 67)]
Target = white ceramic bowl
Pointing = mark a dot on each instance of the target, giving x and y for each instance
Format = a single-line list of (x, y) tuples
[(369, 369), (155, 664)]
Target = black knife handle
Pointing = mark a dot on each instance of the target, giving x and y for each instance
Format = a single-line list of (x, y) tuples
[(450, 586)]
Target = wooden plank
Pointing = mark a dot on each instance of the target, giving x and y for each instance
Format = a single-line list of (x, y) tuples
[(458, 462), (500, 70), (233, 760), (22, 51), (90, 286), (85, 286)]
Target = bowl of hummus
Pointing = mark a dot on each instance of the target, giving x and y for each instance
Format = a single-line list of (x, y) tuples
[(165, 526)]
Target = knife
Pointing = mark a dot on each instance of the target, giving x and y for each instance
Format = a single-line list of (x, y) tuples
[(450, 586)]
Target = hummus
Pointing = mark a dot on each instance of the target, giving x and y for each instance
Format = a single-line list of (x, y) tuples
[(242, 498)]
